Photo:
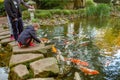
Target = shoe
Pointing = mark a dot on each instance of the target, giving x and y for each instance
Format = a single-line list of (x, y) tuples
[(19, 45), (11, 37), (32, 44)]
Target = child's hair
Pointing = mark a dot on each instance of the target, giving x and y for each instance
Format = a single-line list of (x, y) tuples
[(36, 25)]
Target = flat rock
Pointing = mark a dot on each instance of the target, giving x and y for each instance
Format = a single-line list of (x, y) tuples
[(7, 40), (46, 64), (36, 48), (21, 70), (5, 33), (23, 58), (12, 44), (5, 36), (42, 79)]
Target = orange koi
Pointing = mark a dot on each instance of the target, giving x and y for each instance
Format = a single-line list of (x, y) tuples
[(54, 49), (88, 71), (44, 39), (77, 61)]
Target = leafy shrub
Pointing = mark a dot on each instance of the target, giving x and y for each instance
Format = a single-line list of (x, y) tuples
[(2, 9), (102, 10), (90, 3), (102, 1), (43, 14), (91, 11), (26, 15)]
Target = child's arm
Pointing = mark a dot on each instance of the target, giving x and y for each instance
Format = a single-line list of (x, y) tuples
[(33, 34)]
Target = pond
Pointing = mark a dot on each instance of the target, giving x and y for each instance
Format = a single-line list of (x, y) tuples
[(96, 41)]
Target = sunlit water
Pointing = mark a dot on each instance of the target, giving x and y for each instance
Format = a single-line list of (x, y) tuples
[(101, 48)]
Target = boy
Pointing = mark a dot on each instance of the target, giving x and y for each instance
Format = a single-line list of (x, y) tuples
[(25, 38)]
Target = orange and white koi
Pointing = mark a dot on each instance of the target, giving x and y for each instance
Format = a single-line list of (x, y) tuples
[(77, 61), (88, 71)]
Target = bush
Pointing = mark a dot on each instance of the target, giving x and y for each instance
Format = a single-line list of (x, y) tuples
[(102, 10), (26, 15), (91, 11), (102, 1), (2, 9), (90, 3), (43, 14)]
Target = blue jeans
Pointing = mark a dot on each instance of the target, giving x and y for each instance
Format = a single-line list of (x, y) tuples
[(17, 27)]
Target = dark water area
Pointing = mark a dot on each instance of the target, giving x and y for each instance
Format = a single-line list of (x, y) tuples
[(96, 41)]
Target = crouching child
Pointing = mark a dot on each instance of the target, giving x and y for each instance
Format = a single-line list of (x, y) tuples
[(28, 35)]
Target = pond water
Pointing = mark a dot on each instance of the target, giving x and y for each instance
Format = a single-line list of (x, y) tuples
[(96, 41)]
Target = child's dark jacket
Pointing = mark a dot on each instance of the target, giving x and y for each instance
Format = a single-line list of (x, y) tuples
[(28, 33)]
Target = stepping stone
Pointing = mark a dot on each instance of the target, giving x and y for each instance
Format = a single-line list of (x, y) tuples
[(36, 48), (42, 79), (4, 33), (7, 40), (21, 71), (12, 44), (5, 36), (3, 30), (45, 65), (23, 58)]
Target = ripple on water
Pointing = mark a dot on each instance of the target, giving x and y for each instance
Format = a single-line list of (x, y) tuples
[(113, 70)]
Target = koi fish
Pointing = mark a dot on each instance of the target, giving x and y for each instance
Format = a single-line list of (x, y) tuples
[(88, 71), (54, 49), (44, 39), (77, 61)]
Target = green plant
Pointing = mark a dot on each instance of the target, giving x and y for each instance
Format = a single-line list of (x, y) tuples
[(91, 11), (102, 10), (2, 9), (43, 14), (90, 3), (26, 15), (102, 1)]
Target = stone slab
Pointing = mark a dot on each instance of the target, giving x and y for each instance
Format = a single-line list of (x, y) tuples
[(7, 40), (36, 48), (42, 79), (5, 36), (23, 58), (46, 64), (21, 70), (12, 44), (5, 33)]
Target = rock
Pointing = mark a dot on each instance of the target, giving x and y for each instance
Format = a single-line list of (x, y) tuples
[(44, 65), (21, 71), (11, 44), (4, 33), (36, 48), (42, 79), (23, 58), (5, 36), (5, 41)]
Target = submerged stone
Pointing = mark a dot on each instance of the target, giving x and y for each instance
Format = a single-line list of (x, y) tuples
[(45, 66), (23, 58)]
